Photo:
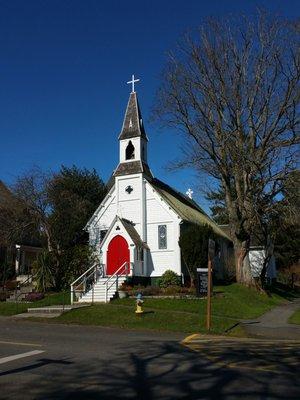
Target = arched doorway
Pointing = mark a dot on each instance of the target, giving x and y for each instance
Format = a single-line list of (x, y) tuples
[(117, 254)]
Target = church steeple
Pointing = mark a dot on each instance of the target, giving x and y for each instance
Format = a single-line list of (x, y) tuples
[(133, 122), (133, 139)]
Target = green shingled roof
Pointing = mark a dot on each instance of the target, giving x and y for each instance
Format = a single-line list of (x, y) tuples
[(186, 208)]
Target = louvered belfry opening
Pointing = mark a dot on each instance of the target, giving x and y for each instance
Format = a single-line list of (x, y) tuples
[(130, 151)]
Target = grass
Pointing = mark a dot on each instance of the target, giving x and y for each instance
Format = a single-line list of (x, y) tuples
[(295, 318), (229, 305), (50, 299), (231, 301)]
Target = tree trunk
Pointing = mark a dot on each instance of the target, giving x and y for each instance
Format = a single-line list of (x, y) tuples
[(192, 278), (243, 272), (269, 251)]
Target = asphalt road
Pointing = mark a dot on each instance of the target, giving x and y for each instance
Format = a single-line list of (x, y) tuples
[(47, 361)]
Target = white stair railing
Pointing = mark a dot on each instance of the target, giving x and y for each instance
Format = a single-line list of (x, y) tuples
[(86, 281), (114, 279)]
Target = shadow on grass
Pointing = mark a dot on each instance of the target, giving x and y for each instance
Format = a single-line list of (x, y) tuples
[(283, 291)]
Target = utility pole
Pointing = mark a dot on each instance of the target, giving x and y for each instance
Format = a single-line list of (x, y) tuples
[(211, 253)]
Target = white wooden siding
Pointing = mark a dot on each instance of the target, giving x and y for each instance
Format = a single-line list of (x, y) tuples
[(159, 213), (142, 203)]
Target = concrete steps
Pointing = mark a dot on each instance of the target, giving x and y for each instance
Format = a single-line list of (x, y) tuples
[(48, 311), (98, 292), (21, 293)]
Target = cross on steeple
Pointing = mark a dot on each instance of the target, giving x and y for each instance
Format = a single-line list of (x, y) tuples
[(133, 82), (189, 193)]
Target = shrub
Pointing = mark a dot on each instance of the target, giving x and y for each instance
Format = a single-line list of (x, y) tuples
[(170, 290), (72, 263), (43, 271), (194, 247), (34, 296), (3, 295), (150, 291), (11, 285), (169, 278)]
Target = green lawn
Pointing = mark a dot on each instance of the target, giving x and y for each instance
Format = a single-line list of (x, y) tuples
[(20, 307), (295, 318), (234, 301), (229, 305)]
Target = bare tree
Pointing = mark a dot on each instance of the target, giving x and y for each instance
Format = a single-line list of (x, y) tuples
[(15, 222), (233, 91), (31, 190)]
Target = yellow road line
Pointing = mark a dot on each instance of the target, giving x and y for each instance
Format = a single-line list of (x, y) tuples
[(190, 338), (21, 343)]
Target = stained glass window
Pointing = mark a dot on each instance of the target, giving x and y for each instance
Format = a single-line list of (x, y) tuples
[(162, 236)]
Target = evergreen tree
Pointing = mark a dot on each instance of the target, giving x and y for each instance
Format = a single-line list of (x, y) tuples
[(74, 195)]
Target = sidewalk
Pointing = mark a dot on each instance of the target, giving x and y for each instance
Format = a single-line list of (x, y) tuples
[(274, 324)]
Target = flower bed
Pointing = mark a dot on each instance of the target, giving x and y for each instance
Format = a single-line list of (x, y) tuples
[(34, 296), (155, 291)]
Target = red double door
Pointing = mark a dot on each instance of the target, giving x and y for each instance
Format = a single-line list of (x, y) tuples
[(117, 254)]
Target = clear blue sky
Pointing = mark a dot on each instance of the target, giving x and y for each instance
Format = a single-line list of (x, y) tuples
[(63, 71)]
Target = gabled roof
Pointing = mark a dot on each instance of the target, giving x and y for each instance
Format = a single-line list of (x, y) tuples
[(132, 232), (133, 123), (186, 208), (130, 229)]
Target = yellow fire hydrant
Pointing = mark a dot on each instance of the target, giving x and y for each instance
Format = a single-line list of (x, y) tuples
[(139, 302)]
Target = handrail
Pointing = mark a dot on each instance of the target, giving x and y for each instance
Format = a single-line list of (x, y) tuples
[(20, 286), (87, 284), (84, 278), (116, 272), (115, 275), (85, 273)]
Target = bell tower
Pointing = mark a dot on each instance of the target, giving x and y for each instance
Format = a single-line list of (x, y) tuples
[(133, 139), (133, 172)]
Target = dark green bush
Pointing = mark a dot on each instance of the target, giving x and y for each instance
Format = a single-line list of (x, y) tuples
[(194, 247), (169, 278)]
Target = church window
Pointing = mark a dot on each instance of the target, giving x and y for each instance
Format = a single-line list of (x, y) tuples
[(162, 236), (130, 151)]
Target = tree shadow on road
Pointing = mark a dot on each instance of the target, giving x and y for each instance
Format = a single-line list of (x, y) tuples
[(38, 364), (169, 371)]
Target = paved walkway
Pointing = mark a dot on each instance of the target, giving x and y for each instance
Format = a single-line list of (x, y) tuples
[(47, 311), (274, 324)]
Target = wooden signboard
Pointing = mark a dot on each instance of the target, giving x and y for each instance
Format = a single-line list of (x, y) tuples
[(202, 281)]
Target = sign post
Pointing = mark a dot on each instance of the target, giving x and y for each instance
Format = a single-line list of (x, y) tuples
[(211, 253)]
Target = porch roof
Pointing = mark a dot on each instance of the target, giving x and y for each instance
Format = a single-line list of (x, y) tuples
[(130, 229), (132, 232)]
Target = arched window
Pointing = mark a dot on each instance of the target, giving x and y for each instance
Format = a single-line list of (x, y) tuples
[(130, 151)]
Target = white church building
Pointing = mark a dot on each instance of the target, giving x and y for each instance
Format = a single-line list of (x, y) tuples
[(136, 228)]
